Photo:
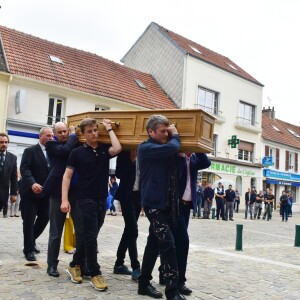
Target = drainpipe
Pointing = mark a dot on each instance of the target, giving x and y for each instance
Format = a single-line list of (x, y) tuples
[(6, 102)]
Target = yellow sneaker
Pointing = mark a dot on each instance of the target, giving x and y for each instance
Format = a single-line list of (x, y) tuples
[(99, 283), (74, 274)]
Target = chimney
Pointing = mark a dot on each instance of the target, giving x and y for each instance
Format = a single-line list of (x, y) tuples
[(273, 113), (269, 112)]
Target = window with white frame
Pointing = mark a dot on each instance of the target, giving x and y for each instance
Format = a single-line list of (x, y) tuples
[(208, 100), (55, 110), (215, 146), (245, 151), (246, 113), (245, 155), (291, 161)]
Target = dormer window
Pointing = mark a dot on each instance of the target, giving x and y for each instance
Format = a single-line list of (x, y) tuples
[(231, 66), (140, 84), (55, 59), (195, 49)]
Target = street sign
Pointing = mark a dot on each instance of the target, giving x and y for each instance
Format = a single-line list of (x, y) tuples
[(267, 161)]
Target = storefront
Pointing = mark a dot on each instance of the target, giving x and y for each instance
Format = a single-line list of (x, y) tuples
[(243, 175), (282, 181)]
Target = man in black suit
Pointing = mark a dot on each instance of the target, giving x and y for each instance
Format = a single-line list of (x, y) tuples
[(58, 150), (34, 204), (129, 195), (8, 175)]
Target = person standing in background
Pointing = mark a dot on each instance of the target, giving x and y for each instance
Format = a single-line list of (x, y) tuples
[(247, 202), (252, 201), (237, 200), (198, 206), (8, 175), (113, 187), (230, 196), (208, 200), (284, 206), (14, 207), (35, 167), (220, 200), (290, 202)]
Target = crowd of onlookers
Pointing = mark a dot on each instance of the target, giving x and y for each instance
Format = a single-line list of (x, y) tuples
[(258, 205)]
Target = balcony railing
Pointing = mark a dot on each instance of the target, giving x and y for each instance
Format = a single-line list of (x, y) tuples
[(208, 109)]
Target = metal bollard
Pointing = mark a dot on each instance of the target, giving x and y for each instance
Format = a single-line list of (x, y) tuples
[(239, 237), (297, 236), (213, 213)]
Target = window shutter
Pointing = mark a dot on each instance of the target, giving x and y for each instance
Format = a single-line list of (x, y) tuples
[(267, 150), (296, 162), (246, 146), (277, 159), (287, 160)]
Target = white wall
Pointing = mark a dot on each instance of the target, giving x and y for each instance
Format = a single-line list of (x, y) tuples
[(231, 90)]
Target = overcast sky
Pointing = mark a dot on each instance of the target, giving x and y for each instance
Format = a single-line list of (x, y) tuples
[(261, 36)]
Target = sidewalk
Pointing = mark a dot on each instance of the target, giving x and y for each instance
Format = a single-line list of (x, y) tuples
[(267, 268)]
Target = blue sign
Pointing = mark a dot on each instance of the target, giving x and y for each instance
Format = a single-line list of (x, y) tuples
[(281, 175), (267, 161), (282, 182)]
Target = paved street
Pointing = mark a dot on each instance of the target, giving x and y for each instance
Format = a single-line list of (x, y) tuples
[(268, 268)]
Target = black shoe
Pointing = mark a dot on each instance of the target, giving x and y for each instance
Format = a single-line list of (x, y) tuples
[(231, 219), (36, 249), (150, 291), (177, 297), (52, 271), (30, 256), (185, 290), (122, 270)]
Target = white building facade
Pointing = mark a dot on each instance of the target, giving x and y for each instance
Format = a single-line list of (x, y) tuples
[(281, 145), (196, 77)]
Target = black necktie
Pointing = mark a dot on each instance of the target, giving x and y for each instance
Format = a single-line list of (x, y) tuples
[(47, 159), (1, 161)]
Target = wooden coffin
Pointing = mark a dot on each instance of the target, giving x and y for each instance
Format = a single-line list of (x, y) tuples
[(194, 126)]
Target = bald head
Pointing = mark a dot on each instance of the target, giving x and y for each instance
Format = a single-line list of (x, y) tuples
[(61, 131)]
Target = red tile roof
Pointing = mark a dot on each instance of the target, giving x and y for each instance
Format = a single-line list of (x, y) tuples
[(208, 55), (28, 56), (283, 136)]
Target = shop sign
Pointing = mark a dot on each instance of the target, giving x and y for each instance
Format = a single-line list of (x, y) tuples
[(231, 169), (281, 175), (281, 182)]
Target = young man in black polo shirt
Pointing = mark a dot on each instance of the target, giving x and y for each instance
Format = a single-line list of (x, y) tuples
[(91, 162)]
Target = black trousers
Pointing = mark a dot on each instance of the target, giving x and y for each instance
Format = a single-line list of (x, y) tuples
[(182, 241), (4, 205), (160, 239), (92, 214), (131, 209), (220, 208), (35, 215), (57, 221)]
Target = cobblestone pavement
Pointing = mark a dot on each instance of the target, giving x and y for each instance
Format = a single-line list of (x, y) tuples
[(267, 268)]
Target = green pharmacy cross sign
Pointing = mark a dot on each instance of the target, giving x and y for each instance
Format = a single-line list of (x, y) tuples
[(233, 141)]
